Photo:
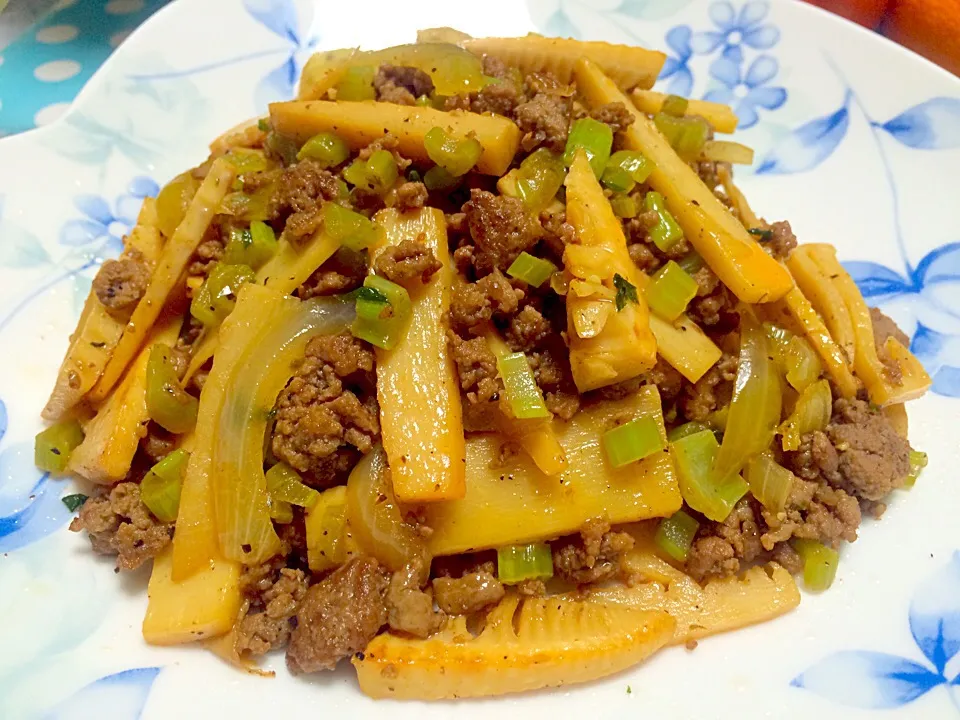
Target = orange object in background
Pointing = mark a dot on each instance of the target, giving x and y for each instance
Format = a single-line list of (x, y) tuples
[(868, 13), (928, 27)]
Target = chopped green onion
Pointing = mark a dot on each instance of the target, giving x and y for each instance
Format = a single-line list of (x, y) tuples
[(74, 502), (217, 296), (424, 101), (377, 173), (285, 485), (280, 511), (769, 481), (454, 155), (282, 145), (516, 563), (327, 148), (624, 206), (691, 263), (53, 446), (353, 230), (675, 535), (689, 428), (819, 563), (625, 169), (694, 456), (251, 247), (520, 386), (168, 404), (761, 234), (675, 105), (812, 412), (595, 138), (666, 233), (160, 487), (686, 135), (670, 291), (633, 441), (384, 332), (626, 292), (532, 270), (617, 179), (918, 461), (357, 84), (247, 160), (436, 178), (538, 179), (373, 309)]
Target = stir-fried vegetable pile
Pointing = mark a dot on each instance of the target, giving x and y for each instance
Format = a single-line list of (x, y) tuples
[(473, 364)]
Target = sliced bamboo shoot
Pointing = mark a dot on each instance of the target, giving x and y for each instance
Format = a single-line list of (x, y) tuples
[(420, 416), (721, 240), (169, 272), (510, 502), (360, 123)]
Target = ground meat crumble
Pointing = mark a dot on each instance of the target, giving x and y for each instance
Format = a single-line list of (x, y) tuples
[(118, 523)]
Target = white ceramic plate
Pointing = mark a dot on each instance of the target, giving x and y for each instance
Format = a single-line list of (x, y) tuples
[(858, 144)]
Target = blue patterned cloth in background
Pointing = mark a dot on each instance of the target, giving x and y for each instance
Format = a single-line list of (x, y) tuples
[(44, 67)]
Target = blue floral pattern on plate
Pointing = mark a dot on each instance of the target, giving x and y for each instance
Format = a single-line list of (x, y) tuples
[(876, 680), (280, 18), (120, 696), (931, 125), (746, 90), (735, 30), (104, 226)]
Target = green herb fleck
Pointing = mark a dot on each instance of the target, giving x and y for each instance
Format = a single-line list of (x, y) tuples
[(263, 125), (371, 295), (626, 292), (74, 502), (761, 234), (629, 690)]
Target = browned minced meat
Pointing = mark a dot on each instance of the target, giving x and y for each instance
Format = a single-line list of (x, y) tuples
[(592, 557), (476, 367), (707, 171), (300, 190), (528, 328), (499, 97), (410, 608), (557, 232), (713, 308), (501, 229), (119, 284), (614, 114), (474, 304), (551, 369), (411, 196), (338, 616), (814, 511), (275, 592), (467, 594), (120, 524), (401, 85), (883, 328), (343, 272), (208, 252), (544, 120), (321, 426), (863, 455), (721, 547), (411, 260), (712, 391), (387, 142), (157, 443), (782, 241)]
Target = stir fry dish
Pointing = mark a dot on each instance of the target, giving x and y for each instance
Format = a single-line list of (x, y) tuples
[(472, 366)]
